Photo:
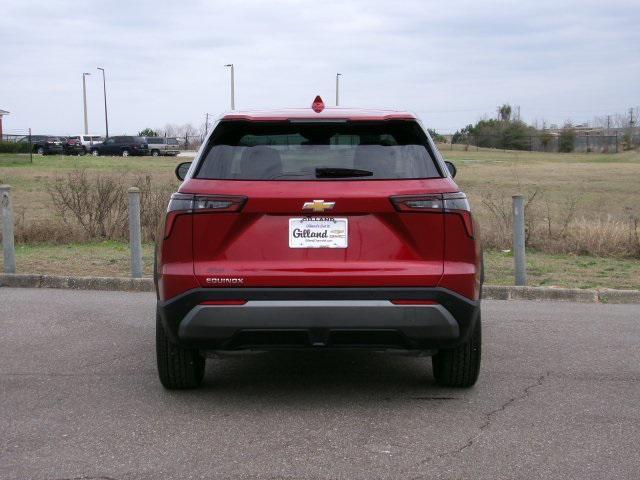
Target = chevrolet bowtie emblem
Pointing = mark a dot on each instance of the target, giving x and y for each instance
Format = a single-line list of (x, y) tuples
[(318, 205)]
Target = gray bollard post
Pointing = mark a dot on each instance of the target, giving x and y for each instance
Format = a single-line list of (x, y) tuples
[(135, 235), (518, 240), (8, 246)]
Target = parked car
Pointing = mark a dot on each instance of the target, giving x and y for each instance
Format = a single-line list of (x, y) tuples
[(325, 228), (88, 141), (44, 144), (123, 145), (73, 146), (163, 146)]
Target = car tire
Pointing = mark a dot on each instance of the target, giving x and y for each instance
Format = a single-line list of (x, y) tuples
[(155, 153), (125, 153), (178, 368), (95, 153), (459, 367), (83, 151), (40, 151)]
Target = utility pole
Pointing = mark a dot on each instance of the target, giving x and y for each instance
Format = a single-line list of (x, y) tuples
[(84, 100), (206, 123), (233, 96), (104, 88), (631, 117), (338, 75), (608, 123)]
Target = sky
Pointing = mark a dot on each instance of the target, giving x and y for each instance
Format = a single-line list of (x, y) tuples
[(449, 62)]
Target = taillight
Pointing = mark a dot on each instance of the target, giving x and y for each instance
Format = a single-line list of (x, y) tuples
[(216, 203), (458, 204), (181, 203), (418, 203), (455, 203)]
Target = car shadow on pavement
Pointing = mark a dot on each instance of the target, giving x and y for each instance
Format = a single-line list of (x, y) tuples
[(314, 376)]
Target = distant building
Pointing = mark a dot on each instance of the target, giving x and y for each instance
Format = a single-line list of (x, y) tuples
[(2, 114)]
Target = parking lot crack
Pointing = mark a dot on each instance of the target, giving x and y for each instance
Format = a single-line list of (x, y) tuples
[(489, 418)]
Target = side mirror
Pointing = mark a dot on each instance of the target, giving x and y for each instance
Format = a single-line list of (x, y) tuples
[(452, 168), (182, 169)]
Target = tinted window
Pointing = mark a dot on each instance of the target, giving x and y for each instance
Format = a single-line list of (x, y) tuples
[(293, 151), (172, 141), (154, 140)]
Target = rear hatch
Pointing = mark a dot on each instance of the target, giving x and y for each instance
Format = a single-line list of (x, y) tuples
[(288, 204)]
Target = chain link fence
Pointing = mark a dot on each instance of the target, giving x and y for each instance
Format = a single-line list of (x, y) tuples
[(18, 143)]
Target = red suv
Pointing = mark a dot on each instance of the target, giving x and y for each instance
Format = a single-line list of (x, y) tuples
[(319, 228)]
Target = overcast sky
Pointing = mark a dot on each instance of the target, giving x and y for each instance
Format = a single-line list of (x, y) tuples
[(451, 62)]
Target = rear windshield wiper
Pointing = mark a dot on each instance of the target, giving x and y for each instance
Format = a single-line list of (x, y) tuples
[(341, 172)]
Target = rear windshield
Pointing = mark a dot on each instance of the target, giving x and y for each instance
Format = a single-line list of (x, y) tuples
[(296, 150)]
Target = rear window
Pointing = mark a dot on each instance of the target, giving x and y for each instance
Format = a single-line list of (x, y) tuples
[(294, 150)]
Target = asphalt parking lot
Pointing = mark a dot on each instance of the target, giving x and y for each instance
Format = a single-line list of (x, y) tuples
[(558, 397)]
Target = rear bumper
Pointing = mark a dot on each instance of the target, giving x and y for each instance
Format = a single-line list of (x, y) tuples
[(280, 318)]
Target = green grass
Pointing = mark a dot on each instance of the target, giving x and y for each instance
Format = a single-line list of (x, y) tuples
[(56, 163), (579, 271), (106, 258)]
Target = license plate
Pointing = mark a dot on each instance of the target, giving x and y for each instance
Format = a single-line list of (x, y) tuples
[(318, 232)]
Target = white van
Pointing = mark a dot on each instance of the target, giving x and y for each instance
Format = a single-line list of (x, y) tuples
[(88, 141)]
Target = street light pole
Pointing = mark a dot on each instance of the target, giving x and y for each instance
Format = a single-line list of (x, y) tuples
[(338, 75), (104, 88), (233, 96), (84, 100)]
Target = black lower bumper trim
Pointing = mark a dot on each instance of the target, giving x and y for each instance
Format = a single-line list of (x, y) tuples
[(319, 317)]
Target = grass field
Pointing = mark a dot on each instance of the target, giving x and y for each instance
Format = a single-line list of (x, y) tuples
[(597, 187)]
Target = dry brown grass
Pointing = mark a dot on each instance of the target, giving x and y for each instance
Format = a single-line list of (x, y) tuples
[(93, 207), (553, 228)]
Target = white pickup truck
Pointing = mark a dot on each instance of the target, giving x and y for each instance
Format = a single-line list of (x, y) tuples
[(163, 146)]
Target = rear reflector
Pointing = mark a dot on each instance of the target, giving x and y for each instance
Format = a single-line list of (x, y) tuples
[(223, 302), (414, 302)]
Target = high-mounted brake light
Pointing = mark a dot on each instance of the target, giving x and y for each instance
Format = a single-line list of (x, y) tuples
[(318, 104), (181, 203)]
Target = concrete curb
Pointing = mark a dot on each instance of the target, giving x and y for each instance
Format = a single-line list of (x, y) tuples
[(605, 295), (77, 283), (489, 292)]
